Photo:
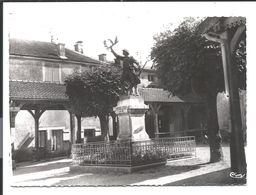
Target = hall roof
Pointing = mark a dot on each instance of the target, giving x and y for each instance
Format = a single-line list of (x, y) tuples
[(47, 50), (216, 24), (26, 90), (161, 95)]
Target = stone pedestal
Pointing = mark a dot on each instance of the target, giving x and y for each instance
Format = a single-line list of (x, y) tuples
[(131, 115)]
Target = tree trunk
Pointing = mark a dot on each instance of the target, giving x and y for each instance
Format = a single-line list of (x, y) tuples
[(104, 126), (78, 134), (114, 123), (72, 128), (213, 130)]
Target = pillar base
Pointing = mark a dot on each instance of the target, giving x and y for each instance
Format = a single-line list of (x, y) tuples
[(131, 110)]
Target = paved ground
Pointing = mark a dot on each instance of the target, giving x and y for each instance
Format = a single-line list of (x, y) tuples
[(195, 171)]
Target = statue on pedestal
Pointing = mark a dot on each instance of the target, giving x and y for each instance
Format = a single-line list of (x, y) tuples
[(130, 68)]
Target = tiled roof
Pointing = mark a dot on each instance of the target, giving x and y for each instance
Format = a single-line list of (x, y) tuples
[(37, 91), (45, 50), (212, 24), (160, 95), (26, 90)]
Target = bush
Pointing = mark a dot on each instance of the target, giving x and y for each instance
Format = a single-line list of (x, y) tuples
[(148, 156)]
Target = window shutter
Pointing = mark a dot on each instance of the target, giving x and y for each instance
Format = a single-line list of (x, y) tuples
[(55, 74), (48, 73)]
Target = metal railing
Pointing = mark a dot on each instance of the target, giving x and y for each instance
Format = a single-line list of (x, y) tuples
[(128, 153)]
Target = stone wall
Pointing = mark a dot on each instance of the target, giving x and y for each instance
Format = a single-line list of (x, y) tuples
[(26, 70)]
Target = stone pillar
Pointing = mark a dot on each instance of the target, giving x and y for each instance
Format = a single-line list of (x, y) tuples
[(131, 114), (13, 113), (12, 118)]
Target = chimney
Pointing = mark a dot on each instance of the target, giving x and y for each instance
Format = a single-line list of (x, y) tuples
[(61, 50), (54, 39), (103, 57), (79, 47)]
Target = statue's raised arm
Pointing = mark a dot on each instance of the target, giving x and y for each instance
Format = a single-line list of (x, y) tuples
[(115, 54), (129, 77)]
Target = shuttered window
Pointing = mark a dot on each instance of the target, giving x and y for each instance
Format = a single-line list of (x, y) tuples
[(52, 73)]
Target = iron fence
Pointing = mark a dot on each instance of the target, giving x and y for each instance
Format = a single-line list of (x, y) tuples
[(128, 153)]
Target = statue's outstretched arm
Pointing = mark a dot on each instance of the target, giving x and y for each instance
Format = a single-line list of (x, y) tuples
[(114, 53)]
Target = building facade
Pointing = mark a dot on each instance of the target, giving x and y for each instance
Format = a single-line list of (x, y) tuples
[(37, 71)]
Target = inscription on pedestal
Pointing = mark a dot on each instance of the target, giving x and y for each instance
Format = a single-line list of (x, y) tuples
[(121, 109)]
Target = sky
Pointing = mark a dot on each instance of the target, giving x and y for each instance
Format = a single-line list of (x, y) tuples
[(134, 24)]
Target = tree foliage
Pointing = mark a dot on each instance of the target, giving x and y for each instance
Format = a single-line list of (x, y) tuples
[(94, 93), (187, 63)]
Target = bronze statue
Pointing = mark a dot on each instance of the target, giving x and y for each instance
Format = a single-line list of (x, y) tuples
[(130, 67)]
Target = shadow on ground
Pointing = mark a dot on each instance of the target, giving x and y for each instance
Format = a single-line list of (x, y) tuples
[(120, 179), (42, 166), (216, 178), (190, 172)]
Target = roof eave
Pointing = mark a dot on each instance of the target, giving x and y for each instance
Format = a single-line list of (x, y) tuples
[(53, 59), (38, 99), (223, 23)]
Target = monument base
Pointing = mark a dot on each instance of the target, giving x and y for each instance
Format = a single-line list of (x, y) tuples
[(113, 169), (131, 110)]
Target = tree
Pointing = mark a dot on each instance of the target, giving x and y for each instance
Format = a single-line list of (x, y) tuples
[(94, 93), (188, 63), (78, 102)]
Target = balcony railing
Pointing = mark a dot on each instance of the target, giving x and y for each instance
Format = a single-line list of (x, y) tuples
[(128, 153)]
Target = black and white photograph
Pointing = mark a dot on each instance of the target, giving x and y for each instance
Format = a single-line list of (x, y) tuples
[(118, 94)]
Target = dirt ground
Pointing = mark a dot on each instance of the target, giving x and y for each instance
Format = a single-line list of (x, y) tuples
[(190, 172)]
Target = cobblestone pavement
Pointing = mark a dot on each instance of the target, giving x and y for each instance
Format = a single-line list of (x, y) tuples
[(196, 171)]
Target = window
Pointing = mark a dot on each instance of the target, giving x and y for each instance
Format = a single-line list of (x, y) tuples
[(150, 77), (52, 73)]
